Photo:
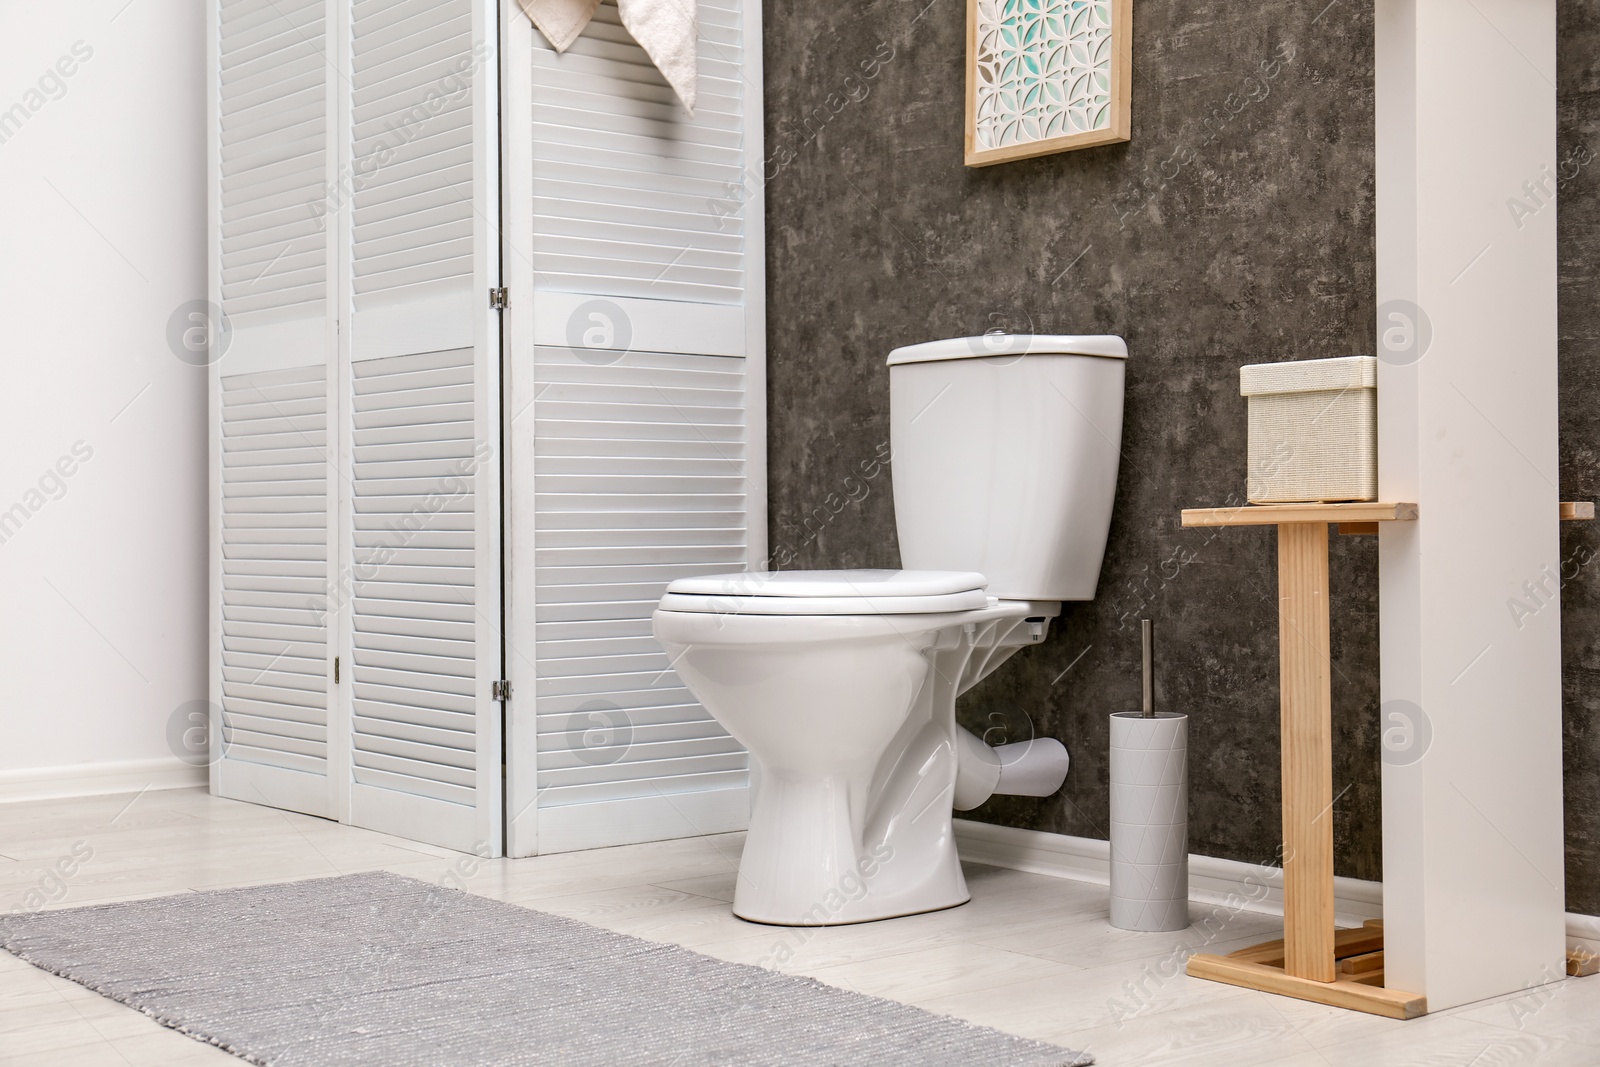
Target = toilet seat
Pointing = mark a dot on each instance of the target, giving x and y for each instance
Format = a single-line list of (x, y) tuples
[(854, 592)]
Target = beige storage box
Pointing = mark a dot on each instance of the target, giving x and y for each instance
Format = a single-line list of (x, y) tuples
[(1313, 430)]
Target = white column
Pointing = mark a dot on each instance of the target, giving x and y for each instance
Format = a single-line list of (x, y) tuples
[(1470, 624)]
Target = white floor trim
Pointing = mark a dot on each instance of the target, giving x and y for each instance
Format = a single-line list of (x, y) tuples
[(1230, 884), (97, 779)]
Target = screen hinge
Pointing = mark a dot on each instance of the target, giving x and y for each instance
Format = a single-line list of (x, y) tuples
[(500, 690), (336, 670), (499, 298)]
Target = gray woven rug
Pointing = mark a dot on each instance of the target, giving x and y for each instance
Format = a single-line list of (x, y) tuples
[(384, 970)]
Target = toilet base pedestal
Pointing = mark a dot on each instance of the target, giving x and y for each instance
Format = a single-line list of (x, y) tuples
[(852, 920), (806, 864)]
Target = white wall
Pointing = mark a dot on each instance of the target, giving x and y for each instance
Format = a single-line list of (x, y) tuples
[(102, 587)]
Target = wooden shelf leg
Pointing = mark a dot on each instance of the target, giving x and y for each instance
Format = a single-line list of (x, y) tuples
[(1307, 737)]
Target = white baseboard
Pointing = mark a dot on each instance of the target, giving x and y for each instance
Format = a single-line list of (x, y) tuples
[(1230, 884), (97, 779)]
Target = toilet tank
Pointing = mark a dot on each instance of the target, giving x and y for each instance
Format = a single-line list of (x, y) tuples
[(1005, 458)]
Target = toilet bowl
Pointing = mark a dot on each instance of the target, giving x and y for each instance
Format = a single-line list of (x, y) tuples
[(842, 685)]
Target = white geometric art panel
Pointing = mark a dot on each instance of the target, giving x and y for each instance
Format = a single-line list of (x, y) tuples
[(1045, 76)]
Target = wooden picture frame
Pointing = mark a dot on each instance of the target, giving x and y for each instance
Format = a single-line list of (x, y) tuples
[(1046, 76)]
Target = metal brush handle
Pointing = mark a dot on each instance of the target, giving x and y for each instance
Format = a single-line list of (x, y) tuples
[(1148, 629)]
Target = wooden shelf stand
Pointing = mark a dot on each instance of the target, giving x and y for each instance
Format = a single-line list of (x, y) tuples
[(1315, 961)]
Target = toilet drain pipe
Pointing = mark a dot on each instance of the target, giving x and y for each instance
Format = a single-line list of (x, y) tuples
[(1035, 768)]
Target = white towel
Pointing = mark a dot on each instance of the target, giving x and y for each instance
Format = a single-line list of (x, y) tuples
[(665, 29), (560, 20)]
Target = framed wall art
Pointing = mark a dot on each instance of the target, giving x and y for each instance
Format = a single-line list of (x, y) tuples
[(1046, 76)]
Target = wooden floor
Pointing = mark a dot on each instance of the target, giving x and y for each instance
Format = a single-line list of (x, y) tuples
[(1030, 954)]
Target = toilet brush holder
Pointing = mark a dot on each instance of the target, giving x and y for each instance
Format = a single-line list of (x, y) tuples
[(1149, 814)]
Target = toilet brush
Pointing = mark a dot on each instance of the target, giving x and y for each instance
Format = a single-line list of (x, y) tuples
[(1149, 811)]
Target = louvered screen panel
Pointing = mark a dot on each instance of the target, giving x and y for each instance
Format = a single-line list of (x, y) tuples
[(414, 640), (274, 532), (272, 111), (354, 163), (413, 67), (632, 197), (639, 477)]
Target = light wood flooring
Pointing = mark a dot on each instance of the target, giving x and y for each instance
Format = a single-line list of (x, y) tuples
[(1030, 954)]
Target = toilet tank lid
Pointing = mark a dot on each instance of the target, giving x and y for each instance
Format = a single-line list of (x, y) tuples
[(1107, 345), (832, 584)]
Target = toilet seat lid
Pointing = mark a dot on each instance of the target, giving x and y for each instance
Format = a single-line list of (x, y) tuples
[(858, 592)]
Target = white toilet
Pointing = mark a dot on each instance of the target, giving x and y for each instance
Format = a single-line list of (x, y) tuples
[(842, 684)]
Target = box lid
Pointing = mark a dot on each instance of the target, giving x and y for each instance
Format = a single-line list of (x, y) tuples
[(1309, 375)]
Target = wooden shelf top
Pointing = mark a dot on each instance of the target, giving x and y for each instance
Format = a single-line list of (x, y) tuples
[(1273, 514), (1363, 513)]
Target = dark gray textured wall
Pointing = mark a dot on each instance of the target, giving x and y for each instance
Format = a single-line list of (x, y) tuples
[(1236, 227), (1578, 229)]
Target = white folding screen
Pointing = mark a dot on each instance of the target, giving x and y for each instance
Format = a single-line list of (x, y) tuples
[(273, 470), (357, 413), (638, 421), (424, 622), (359, 151)]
